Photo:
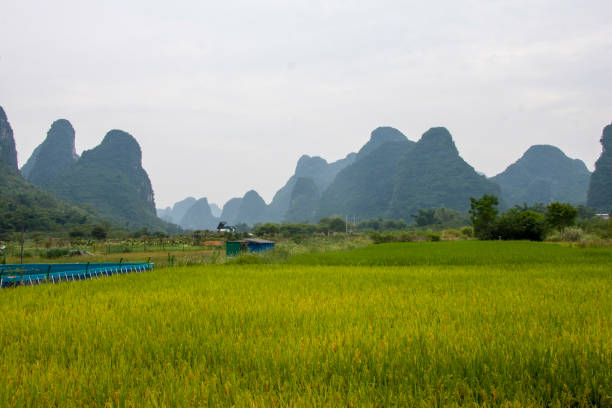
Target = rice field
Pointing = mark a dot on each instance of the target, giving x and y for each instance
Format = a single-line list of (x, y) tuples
[(438, 324)]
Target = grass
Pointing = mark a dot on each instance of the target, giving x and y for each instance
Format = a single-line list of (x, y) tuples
[(491, 331)]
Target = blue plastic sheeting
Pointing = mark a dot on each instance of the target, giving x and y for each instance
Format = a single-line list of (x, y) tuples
[(33, 274)]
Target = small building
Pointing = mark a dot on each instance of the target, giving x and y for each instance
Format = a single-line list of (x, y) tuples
[(233, 248), (258, 245), (223, 227), (603, 216)]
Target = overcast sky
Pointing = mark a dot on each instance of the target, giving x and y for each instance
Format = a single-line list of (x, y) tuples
[(225, 96)]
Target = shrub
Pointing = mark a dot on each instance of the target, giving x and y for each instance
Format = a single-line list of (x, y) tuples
[(572, 235), (55, 253), (517, 224), (467, 231)]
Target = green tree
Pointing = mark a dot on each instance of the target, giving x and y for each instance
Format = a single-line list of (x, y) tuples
[(267, 229), (483, 213), (518, 223), (424, 217), (560, 215), (336, 224), (98, 232)]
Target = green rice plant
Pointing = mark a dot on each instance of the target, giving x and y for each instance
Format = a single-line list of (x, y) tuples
[(467, 324), (494, 253)]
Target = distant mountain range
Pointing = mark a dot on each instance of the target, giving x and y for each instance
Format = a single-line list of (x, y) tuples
[(393, 177), (389, 177), (23, 206), (105, 183)]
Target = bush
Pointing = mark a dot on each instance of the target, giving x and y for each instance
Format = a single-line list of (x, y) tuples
[(572, 235), (55, 253), (467, 231), (519, 224)]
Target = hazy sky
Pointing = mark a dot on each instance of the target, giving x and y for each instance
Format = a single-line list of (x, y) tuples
[(225, 96)]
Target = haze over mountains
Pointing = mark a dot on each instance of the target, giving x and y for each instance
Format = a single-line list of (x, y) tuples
[(391, 176)]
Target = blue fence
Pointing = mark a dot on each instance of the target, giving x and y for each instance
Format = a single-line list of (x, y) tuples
[(34, 274)]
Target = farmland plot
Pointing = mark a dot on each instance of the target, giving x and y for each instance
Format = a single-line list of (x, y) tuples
[(474, 324)]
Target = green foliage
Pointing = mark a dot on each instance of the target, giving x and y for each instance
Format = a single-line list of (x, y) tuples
[(585, 213), (483, 213), (77, 233), (329, 224), (468, 231), (293, 230), (440, 218), (382, 225), (425, 217), (23, 206), (560, 215), (519, 224), (53, 253), (267, 229), (98, 232), (405, 236)]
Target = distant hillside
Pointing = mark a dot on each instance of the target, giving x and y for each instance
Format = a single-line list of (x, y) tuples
[(364, 188), (230, 210), (215, 209), (111, 179), (177, 212), (433, 175), (378, 137), (304, 201), (23, 206), (252, 209), (199, 217), (544, 174), (315, 168), (8, 152), (165, 214), (600, 187), (53, 156)]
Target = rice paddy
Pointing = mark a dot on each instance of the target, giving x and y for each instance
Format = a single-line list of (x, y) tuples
[(416, 324)]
